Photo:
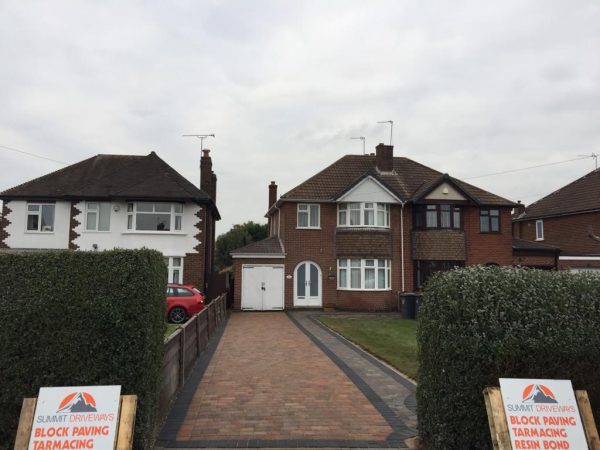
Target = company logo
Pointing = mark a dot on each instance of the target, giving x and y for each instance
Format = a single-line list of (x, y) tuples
[(538, 393), (77, 402)]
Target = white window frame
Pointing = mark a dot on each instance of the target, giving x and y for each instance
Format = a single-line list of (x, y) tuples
[(38, 213), (344, 209), (539, 230), (305, 208), (132, 212), (96, 211), (345, 266), (172, 268)]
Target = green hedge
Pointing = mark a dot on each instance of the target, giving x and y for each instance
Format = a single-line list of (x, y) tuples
[(81, 318), (483, 323)]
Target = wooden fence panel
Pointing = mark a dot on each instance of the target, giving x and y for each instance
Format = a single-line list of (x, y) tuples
[(183, 348)]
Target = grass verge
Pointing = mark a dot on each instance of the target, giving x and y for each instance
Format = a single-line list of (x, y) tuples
[(391, 339)]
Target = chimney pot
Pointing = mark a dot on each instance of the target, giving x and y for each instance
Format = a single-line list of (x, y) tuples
[(384, 157), (205, 153)]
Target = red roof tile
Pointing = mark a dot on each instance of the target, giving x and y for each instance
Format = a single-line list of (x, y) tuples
[(581, 195)]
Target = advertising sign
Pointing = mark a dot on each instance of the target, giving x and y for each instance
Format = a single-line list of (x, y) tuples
[(542, 414), (81, 417)]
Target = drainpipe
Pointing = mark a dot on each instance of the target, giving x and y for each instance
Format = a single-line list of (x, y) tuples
[(402, 242)]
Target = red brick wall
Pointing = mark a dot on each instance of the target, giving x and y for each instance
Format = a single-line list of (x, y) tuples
[(534, 261), (484, 248), (318, 246), (194, 263), (564, 265), (570, 233), (4, 223), (73, 224)]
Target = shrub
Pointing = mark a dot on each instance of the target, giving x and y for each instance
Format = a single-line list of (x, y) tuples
[(81, 318), (483, 323)]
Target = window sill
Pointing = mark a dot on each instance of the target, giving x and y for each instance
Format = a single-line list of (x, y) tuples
[(38, 232), (539, 240), (309, 228), (362, 227), (490, 232), (161, 233), (363, 290), (95, 232)]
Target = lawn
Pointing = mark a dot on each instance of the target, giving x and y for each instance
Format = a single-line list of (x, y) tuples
[(391, 339), (171, 328)]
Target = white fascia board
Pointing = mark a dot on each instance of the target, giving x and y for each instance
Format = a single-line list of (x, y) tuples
[(257, 256), (373, 180), (579, 258)]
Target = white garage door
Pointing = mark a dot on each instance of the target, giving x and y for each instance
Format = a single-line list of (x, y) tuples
[(262, 287)]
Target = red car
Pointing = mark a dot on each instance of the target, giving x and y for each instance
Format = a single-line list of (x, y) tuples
[(183, 301)]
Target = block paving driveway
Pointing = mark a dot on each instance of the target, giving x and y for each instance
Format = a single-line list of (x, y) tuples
[(278, 379)]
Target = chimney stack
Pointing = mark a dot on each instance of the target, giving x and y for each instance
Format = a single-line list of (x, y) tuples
[(214, 187), (272, 194), (384, 157), (519, 209), (206, 173)]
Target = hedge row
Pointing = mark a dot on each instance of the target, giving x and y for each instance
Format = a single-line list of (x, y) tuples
[(81, 318), (483, 323)]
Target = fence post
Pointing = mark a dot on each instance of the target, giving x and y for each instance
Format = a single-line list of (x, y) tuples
[(197, 319), (181, 356)]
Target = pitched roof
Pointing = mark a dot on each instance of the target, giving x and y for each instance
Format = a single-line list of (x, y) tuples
[(408, 180), (115, 177), (269, 246), (581, 195)]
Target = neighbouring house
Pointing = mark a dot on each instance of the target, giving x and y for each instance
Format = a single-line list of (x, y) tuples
[(365, 229), (569, 219), (123, 201)]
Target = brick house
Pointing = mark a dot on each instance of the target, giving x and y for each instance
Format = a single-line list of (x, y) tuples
[(366, 228), (568, 219), (122, 201)]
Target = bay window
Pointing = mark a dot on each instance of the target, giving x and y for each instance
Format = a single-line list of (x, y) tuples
[(40, 217), (364, 274), (364, 214), (146, 216)]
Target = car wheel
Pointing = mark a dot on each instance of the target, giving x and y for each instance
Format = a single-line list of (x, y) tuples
[(177, 315)]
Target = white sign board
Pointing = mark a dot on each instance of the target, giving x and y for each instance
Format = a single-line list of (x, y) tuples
[(81, 417), (542, 414)]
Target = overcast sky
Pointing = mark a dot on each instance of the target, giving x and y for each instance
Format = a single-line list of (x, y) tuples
[(473, 88)]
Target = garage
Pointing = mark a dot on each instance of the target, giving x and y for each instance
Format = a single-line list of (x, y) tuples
[(262, 287)]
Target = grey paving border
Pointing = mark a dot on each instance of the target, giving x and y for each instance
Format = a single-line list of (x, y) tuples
[(401, 431), (168, 435), (411, 402)]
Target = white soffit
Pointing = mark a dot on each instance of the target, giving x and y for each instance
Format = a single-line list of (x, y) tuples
[(445, 192), (369, 190)]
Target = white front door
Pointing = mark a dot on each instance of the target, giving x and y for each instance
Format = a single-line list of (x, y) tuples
[(262, 287), (307, 285)]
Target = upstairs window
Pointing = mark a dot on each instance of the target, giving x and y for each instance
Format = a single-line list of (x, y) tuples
[(489, 220), (308, 215), (438, 216), (97, 217), (539, 230), (367, 214), (145, 216), (40, 217)]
